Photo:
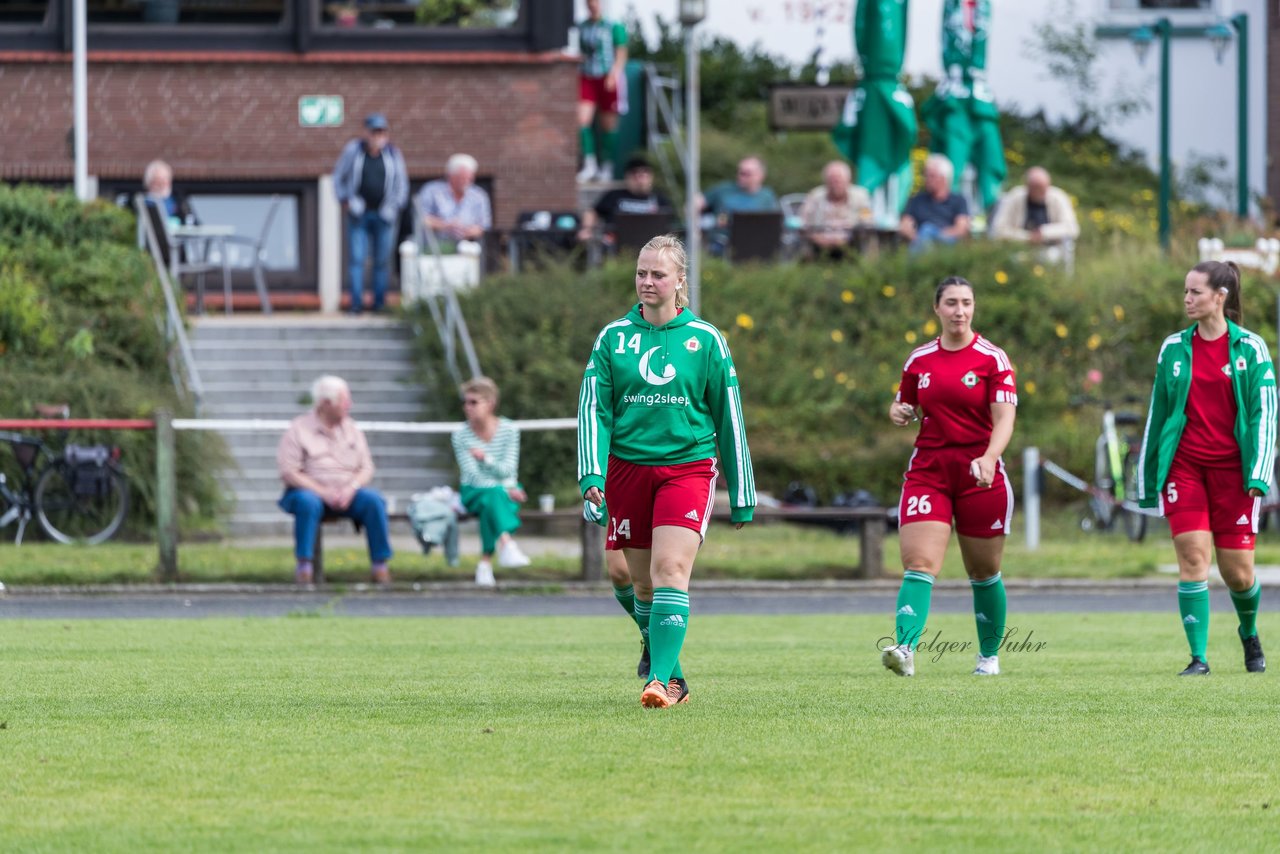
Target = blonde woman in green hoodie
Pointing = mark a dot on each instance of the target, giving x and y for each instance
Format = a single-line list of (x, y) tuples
[(659, 398)]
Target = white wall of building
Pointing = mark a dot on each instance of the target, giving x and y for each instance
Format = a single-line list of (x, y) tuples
[(1203, 111)]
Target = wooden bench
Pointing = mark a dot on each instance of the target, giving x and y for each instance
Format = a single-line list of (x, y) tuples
[(873, 521)]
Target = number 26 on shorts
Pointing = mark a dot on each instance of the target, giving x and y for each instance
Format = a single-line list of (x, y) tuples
[(919, 505)]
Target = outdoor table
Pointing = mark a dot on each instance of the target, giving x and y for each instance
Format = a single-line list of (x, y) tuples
[(200, 241)]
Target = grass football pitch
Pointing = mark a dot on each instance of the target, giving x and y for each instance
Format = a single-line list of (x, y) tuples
[(322, 733)]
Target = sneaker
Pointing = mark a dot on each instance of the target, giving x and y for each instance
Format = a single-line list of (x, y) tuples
[(654, 696), (589, 169), (1197, 667), (510, 556), (677, 691), (484, 574), (303, 577), (381, 576), (1254, 660), (988, 665), (900, 660), (605, 172), (642, 669)]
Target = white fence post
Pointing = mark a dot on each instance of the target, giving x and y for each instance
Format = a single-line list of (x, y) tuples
[(1031, 496)]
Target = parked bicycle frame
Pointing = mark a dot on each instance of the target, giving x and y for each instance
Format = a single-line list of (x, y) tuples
[(1114, 491), (81, 496)]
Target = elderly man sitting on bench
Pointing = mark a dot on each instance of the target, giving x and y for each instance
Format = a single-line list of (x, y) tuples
[(326, 467)]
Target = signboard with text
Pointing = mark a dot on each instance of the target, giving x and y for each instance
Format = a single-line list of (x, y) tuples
[(800, 107), (320, 111)]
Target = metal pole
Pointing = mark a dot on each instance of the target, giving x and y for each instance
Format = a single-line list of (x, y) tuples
[(693, 231), (1163, 29), (166, 496), (1031, 496), (1241, 24), (80, 98)]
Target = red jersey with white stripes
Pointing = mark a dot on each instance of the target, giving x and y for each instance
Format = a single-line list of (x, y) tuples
[(954, 390), (1209, 437)]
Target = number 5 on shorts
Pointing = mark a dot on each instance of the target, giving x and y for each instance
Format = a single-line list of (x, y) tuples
[(918, 505), (1171, 492)]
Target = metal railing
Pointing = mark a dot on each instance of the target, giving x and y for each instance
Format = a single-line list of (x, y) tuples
[(182, 362), (443, 303), (664, 119)]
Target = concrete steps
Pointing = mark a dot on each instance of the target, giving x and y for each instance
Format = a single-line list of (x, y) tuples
[(263, 367)]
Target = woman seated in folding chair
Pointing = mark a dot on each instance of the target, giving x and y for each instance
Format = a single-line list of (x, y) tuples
[(488, 451)]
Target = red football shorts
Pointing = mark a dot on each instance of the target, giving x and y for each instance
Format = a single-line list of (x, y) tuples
[(592, 90), (938, 488), (1204, 498), (640, 498)]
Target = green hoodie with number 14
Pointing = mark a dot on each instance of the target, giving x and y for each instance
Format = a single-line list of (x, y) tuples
[(662, 396)]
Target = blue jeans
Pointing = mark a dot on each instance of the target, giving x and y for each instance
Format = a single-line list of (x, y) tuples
[(928, 233), (361, 231), (368, 508)]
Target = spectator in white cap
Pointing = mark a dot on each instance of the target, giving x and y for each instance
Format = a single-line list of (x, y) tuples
[(454, 207)]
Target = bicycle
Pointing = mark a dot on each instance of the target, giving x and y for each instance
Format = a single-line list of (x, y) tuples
[(1115, 475), (81, 496)]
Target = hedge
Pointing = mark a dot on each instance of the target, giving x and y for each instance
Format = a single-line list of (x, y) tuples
[(819, 351), (79, 306)]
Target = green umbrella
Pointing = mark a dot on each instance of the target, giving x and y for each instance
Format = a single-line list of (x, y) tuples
[(878, 127), (961, 115)]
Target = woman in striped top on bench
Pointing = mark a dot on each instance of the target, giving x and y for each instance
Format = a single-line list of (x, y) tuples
[(487, 448)]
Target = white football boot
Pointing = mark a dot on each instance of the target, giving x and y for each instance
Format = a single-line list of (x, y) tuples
[(988, 665), (900, 659)]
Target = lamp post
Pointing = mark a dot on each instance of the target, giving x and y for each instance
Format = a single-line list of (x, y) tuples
[(1142, 39), (80, 99), (692, 12), (1220, 36), (1241, 25)]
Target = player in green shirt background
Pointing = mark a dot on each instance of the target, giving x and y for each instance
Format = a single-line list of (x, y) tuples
[(601, 88)]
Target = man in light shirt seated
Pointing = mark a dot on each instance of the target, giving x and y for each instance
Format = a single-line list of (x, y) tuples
[(1038, 213), (454, 207), (324, 461), (831, 212)]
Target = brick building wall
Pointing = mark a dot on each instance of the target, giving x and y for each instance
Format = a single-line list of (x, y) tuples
[(235, 116)]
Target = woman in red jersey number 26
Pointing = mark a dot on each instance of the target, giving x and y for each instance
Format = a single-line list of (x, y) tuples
[(659, 397), (961, 389)]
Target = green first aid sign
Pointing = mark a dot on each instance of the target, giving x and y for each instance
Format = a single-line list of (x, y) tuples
[(320, 111)]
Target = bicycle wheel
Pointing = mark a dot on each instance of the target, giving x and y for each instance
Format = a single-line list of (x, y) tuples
[(1104, 511), (71, 513), (1135, 523)]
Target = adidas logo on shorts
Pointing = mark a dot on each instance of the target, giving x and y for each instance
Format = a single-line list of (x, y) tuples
[(997, 525), (1243, 520), (692, 514)]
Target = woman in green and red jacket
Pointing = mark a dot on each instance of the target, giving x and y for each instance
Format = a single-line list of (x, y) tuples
[(1208, 451)]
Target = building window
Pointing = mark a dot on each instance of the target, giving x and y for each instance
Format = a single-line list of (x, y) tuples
[(1159, 5), (196, 12), (393, 14), (28, 12), (248, 213)]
